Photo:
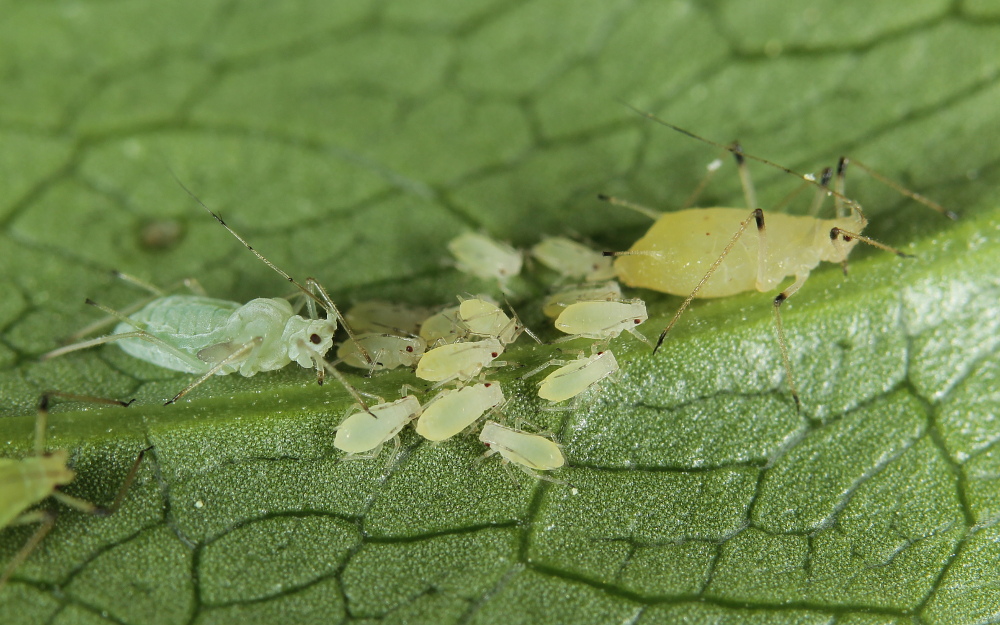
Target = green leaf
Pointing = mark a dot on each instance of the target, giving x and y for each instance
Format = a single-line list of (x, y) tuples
[(350, 142)]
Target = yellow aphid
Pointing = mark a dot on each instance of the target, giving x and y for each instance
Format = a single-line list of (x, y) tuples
[(483, 318), (385, 318), (387, 351), (576, 376), (573, 260), (602, 320), (557, 302), (527, 451), (458, 361), (707, 252), (453, 410), (481, 256), (362, 433)]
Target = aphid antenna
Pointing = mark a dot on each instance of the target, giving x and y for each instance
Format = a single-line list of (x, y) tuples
[(913, 195), (323, 298), (737, 151)]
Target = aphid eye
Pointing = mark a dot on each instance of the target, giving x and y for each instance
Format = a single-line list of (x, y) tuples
[(409, 348), (488, 384), (599, 353), (316, 340), (846, 238), (637, 321)]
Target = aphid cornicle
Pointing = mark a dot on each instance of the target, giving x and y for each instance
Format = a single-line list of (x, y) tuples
[(453, 410), (207, 336), (702, 252), (28, 481), (526, 450)]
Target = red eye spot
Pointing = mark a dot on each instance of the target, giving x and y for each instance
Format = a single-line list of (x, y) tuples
[(494, 354), (637, 321), (708, 234), (409, 348), (600, 353), (488, 384), (846, 238), (316, 340)]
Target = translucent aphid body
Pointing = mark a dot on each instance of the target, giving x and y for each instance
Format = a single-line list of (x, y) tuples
[(28, 481), (527, 451), (602, 319), (362, 434), (575, 377), (387, 351), (573, 260), (458, 361), (481, 256), (443, 327), (557, 302), (483, 318), (382, 317), (453, 410), (795, 246)]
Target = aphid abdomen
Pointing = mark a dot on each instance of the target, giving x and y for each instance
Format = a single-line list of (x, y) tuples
[(188, 322), (529, 450), (23, 483), (574, 378), (261, 319), (452, 411), (362, 432)]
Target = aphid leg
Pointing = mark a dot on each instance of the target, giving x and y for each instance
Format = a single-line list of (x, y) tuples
[(758, 216), (536, 475), (553, 362), (47, 518), (913, 195), (396, 446), (237, 356), (839, 236), (749, 194), (406, 389), (639, 208), (642, 337), (778, 301), (323, 365), (820, 195)]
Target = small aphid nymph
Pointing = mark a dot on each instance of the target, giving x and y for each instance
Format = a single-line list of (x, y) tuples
[(481, 256), (387, 351), (573, 260), (602, 320), (458, 361), (554, 304), (576, 376), (453, 410), (529, 452), (362, 433)]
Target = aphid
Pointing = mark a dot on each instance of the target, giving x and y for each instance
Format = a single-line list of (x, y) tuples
[(573, 260), (575, 376), (602, 320), (554, 304), (208, 336), (481, 256), (387, 351), (28, 481), (527, 451), (458, 361), (453, 410), (483, 318), (362, 433), (675, 257), (385, 318), (442, 328)]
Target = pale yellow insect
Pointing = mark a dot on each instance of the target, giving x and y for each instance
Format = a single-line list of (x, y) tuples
[(529, 452), (557, 302), (362, 433), (573, 260), (575, 376), (483, 318), (602, 320), (453, 410), (385, 318), (485, 258), (458, 361), (683, 252), (387, 351)]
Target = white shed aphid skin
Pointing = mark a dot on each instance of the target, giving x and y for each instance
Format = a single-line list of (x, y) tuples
[(483, 257), (573, 260), (458, 361), (386, 318), (362, 433), (207, 336), (28, 481), (575, 376), (387, 351), (482, 318), (554, 304), (671, 260), (454, 410), (602, 320), (529, 452)]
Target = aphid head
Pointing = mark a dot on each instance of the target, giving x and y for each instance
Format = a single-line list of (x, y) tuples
[(306, 338)]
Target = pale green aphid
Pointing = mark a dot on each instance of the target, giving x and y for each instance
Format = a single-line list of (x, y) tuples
[(602, 320), (573, 260), (387, 351), (28, 481), (576, 376), (453, 410), (557, 302), (385, 318), (481, 256), (362, 433), (442, 328), (483, 318), (458, 361), (208, 336), (527, 451)]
